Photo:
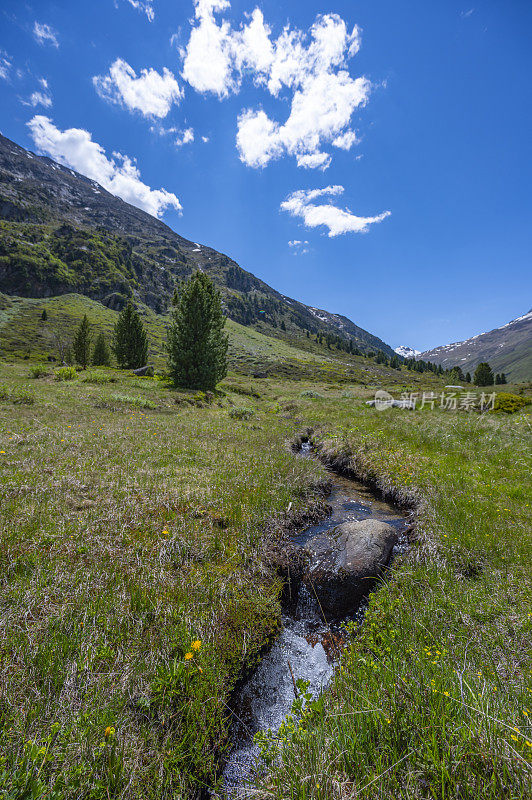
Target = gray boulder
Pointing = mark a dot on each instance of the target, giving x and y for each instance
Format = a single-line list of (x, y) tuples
[(144, 372), (345, 563)]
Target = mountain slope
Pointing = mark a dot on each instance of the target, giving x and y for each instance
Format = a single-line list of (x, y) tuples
[(61, 232), (508, 349)]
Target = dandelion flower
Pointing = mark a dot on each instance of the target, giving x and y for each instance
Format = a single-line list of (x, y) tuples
[(195, 645), (188, 656), (109, 731)]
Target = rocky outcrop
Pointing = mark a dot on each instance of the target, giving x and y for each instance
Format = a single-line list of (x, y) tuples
[(346, 561)]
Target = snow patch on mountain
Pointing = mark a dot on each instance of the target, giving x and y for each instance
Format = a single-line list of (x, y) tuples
[(407, 352)]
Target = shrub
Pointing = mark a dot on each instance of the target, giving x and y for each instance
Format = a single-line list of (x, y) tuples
[(17, 395), (38, 371), (65, 374), (99, 378), (510, 403), (241, 413), (140, 402), (310, 393)]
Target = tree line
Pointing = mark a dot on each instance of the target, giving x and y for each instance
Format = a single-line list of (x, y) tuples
[(196, 342)]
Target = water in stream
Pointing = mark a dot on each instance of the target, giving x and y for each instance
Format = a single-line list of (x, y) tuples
[(305, 647)]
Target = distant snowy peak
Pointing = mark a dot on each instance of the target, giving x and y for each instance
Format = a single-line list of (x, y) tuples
[(407, 352)]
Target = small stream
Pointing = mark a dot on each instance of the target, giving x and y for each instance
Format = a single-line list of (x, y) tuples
[(306, 648)]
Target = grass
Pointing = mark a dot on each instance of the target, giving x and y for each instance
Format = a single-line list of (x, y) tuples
[(129, 532), (433, 698), (24, 335)]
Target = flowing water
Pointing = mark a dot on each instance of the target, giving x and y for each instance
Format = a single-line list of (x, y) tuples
[(306, 648)]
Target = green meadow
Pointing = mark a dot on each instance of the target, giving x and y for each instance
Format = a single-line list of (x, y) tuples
[(138, 585)]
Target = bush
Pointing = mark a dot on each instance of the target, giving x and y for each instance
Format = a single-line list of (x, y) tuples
[(310, 393), (99, 378), (140, 402), (510, 403), (347, 394), (17, 396), (241, 413), (65, 374), (38, 371)]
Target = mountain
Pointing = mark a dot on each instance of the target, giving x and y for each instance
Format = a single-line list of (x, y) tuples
[(507, 349), (407, 352), (62, 233)]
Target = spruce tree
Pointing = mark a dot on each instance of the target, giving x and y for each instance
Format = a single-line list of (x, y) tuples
[(130, 340), (44, 315), (468, 377), (497, 379), (82, 343), (101, 356), (503, 378), (197, 344), (483, 375)]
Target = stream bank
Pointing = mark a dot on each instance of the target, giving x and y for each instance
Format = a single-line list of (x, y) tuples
[(310, 642)]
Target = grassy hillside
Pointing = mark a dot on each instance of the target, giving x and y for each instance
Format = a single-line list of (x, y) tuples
[(23, 334), (136, 527)]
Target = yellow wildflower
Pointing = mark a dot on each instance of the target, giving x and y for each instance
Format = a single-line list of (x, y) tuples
[(188, 656), (195, 645), (109, 731)]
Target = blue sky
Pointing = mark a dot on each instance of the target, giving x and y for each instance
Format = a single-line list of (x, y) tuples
[(371, 158)]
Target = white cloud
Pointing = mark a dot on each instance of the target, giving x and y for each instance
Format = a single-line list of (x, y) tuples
[(44, 34), (312, 66), (39, 99), (314, 161), (346, 140), (119, 175), (5, 65), (298, 247), (337, 220), (204, 139), (146, 7), (151, 93), (208, 56), (185, 137)]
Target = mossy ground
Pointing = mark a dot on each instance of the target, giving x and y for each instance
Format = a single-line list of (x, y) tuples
[(132, 526)]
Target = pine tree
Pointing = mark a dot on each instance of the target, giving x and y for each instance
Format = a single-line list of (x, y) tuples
[(82, 343), (197, 344), (44, 315), (497, 379), (468, 377), (483, 375), (130, 340), (503, 378), (101, 356), (283, 326)]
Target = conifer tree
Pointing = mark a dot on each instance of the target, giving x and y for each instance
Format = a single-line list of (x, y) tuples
[(82, 343), (497, 379), (130, 340), (44, 315), (503, 378), (197, 344), (483, 375), (101, 356), (468, 377)]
